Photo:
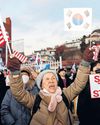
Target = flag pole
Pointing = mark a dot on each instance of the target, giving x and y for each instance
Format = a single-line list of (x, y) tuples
[(60, 59), (4, 34), (6, 55)]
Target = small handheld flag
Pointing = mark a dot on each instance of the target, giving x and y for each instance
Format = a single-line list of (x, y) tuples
[(5, 35), (20, 56), (2, 40)]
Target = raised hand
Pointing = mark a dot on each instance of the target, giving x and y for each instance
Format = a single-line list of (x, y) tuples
[(13, 64)]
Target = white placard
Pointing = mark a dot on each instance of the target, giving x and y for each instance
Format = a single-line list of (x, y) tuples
[(95, 85)]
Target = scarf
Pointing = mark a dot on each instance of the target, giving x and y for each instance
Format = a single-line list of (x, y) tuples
[(55, 98)]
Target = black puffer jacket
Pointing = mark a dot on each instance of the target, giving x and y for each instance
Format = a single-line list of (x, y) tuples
[(13, 112), (61, 83), (88, 109), (3, 87)]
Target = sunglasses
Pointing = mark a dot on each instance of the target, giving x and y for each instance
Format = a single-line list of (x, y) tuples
[(97, 71)]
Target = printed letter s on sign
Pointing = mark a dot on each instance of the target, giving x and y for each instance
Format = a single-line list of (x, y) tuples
[(97, 79), (96, 93)]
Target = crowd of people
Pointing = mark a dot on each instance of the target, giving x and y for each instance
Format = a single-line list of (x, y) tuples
[(12, 112), (45, 98)]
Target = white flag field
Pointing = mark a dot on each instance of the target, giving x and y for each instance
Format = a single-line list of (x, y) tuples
[(18, 45), (77, 19), (18, 49)]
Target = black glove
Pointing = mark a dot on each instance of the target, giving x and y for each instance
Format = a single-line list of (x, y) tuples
[(88, 54), (13, 64)]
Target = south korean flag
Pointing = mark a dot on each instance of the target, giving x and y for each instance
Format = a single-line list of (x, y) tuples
[(77, 19)]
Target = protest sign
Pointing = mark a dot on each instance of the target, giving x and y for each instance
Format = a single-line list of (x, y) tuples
[(95, 85)]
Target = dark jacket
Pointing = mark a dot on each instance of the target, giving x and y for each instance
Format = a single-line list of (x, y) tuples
[(88, 109), (3, 87), (61, 83), (13, 112)]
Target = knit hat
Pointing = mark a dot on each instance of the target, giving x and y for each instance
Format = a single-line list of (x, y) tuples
[(41, 74)]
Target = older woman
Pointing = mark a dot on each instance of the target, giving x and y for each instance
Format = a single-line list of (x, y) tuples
[(52, 109)]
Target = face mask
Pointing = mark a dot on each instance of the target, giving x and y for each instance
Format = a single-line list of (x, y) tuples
[(25, 78)]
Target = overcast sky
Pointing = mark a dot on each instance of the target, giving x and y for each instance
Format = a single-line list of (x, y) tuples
[(41, 22)]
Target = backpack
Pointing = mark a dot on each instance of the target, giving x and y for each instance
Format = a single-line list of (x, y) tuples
[(38, 101)]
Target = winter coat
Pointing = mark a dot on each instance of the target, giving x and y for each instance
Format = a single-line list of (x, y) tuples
[(13, 112), (3, 87), (43, 116), (88, 109)]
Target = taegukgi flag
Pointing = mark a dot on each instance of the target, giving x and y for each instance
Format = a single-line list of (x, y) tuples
[(77, 19)]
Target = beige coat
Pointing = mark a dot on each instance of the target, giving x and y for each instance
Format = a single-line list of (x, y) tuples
[(43, 116)]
